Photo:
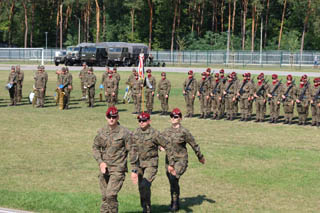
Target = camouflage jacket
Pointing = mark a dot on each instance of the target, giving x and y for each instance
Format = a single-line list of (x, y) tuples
[(20, 77), (64, 80), (117, 77), (204, 87), (164, 87), (40, 81), (110, 85), (247, 89), (314, 90), (307, 95), (193, 86), (104, 76), (82, 74), (216, 88), (147, 144), (262, 89), (277, 92), (136, 86), (90, 81), (291, 93), (178, 139), (13, 77), (113, 147), (152, 81)]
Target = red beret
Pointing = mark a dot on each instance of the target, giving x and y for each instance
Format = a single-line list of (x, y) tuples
[(208, 70), (114, 68), (148, 71), (221, 71), (216, 75), (244, 75), (144, 116), (233, 73), (190, 72), (248, 74), (304, 76), (176, 111), (274, 76), (204, 74), (112, 111), (289, 77), (163, 74), (261, 74)]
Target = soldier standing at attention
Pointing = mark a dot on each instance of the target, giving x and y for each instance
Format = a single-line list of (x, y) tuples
[(215, 93), (46, 79), (136, 87), (90, 83), (189, 90), (147, 141), (228, 95), (40, 84), (63, 84), (177, 162), (116, 75), (274, 96), (223, 81), (203, 94), (13, 79), (105, 75), (315, 102), (20, 78), (150, 89), (251, 81), (288, 98), (70, 86), (110, 87), (82, 76), (209, 80), (164, 88), (260, 95), (110, 148), (303, 93), (244, 93)]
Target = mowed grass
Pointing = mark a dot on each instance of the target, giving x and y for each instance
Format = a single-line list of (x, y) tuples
[(47, 164)]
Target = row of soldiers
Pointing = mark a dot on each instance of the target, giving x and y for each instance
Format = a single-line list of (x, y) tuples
[(222, 95)]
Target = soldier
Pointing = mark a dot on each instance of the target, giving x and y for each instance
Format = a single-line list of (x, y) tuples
[(90, 84), (150, 89), (303, 94), (228, 96), (244, 94), (110, 87), (315, 102), (189, 90), (105, 75), (215, 93), (237, 84), (288, 97), (82, 76), (116, 75), (209, 80), (63, 84), (164, 88), (203, 94), (223, 81), (136, 87), (46, 79), (251, 98), (12, 80), (70, 86), (177, 160), (260, 95), (40, 84), (110, 149), (147, 141), (20, 78), (274, 98)]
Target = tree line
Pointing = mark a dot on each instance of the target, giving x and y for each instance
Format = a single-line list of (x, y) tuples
[(163, 24)]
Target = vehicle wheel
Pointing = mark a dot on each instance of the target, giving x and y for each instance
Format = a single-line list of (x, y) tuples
[(57, 64), (163, 64), (126, 63)]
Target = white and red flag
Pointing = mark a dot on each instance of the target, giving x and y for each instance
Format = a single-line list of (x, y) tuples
[(141, 66)]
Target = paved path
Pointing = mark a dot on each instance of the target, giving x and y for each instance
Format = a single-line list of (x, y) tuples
[(5, 210), (173, 69)]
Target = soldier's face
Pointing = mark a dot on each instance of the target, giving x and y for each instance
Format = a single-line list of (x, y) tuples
[(144, 123), (175, 119), (112, 120)]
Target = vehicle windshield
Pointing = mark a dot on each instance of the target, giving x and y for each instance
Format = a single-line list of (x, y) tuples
[(60, 53), (115, 49), (69, 49), (76, 49)]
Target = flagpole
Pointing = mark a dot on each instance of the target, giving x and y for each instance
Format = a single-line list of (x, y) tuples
[(141, 76)]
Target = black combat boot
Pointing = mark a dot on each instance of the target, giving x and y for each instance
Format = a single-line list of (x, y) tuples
[(201, 116), (286, 121), (175, 205)]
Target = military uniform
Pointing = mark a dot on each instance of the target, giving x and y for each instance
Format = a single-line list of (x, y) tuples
[(63, 84), (136, 88), (260, 94), (20, 78), (223, 81), (90, 83), (215, 93), (203, 94), (303, 94), (46, 80), (13, 79), (228, 95), (274, 101), (190, 88), (118, 78), (288, 91), (40, 84), (164, 88), (82, 76), (110, 87), (245, 92), (150, 90), (315, 104)]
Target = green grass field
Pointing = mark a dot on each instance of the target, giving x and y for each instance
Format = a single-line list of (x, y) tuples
[(47, 164)]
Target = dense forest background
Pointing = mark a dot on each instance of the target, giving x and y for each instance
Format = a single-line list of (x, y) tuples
[(163, 24)]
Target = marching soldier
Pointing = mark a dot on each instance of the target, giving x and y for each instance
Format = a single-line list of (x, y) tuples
[(177, 160), (303, 93), (110, 86), (215, 93), (315, 102), (12, 80), (136, 87), (110, 148), (228, 95), (288, 99), (40, 85), (116, 75), (164, 88), (147, 141), (20, 78), (90, 84), (244, 93), (63, 85), (82, 76), (260, 95), (189, 90), (203, 94), (274, 98), (150, 89)]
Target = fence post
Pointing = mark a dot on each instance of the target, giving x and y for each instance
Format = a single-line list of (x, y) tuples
[(281, 58), (190, 57)]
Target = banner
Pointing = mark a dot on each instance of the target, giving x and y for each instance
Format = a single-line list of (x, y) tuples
[(141, 66)]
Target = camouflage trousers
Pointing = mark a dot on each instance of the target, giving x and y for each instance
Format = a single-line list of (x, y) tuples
[(229, 105), (110, 99), (222, 108), (288, 109), (164, 102), (83, 90), (40, 97), (244, 108), (149, 100), (204, 104), (260, 109), (137, 102), (91, 93), (215, 105), (145, 178), (303, 111), (19, 92), (110, 185), (315, 109), (274, 109), (189, 99), (13, 94)]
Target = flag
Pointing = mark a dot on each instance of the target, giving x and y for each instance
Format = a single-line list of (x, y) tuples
[(141, 66)]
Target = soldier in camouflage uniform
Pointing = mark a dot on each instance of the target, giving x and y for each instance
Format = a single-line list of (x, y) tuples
[(147, 141), (260, 95), (63, 85), (40, 84), (13, 79), (228, 95), (237, 84), (203, 94), (244, 94), (105, 75), (90, 83), (189, 90), (150, 89), (250, 108), (110, 87), (46, 79), (82, 76), (209, 80), (136, 87), (177, 160), (223, 81), (315, 102), (110, 148), (20, 78), (288, 98), (274, 99), (303, 94), (215, 93), (164, 88), (116, 75)]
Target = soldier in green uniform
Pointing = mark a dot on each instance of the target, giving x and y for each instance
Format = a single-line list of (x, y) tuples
[(189, 90), (244, 94), (303, 94), (228, 95), (110, 87), (63, 84), (315, 102), (105, 75), (288, 98), (209, 80), (40, 84), (46, 79), (223, 81), (20, 78), (70, 86), (237, 84), (110, 148), (82, 76), (136, 87), (12, 80), (116, 75), (274, 96), (90, 84), (250, 108), (215, 93), (203, 94), (177, 160), (150, 85), (164, 88), (147, 141), (260, 95)]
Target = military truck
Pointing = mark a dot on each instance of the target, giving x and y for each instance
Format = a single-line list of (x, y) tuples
[(60, 57), (74, 54), (94, 55)]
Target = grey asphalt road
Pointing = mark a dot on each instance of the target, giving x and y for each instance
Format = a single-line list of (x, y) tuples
[(5, 210), (173, 69)]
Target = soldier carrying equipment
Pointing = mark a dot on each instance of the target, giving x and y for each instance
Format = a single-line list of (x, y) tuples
[(262, 88), (187, 89), (227, 90), (214, 91), (287, 92), (274, 90), (301, 97), (316, 97), (241, 89)]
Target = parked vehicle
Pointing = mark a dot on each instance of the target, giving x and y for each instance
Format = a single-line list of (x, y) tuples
[(60, 57)]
